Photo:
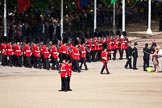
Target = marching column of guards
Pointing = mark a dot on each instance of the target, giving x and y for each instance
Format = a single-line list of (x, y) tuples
[(80, 48)]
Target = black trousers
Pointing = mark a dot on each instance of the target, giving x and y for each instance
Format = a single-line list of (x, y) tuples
[(88, 55), (93, 53), (134, 63), (114, 54), (75, 65), (145, 64), (46, 64), (18, 61), (28, 61), (10, 60), (64, 84), (83, 61), (122, 51), (37, 63), (104, 67), (99, 55), (68, 82), (129, 62), (4, 60), (55, 63)]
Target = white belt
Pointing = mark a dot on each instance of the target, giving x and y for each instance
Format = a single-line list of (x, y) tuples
[(18, 50), (37, 51), (28, 50), (10, 49), (76, 54)]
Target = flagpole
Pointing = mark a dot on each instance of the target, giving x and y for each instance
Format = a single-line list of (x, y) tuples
[(114, 17), (149, 31), (95, 15), (123, 15), (5, 19), (61, 19)]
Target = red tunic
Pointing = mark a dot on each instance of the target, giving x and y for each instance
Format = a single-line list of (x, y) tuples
[(3, 49), (36, 50), (75, 53), (9, 49), (27, 50), (63, 70), (83, 51), (104, 56), (54, 52), (69, 69), (63, 49), (17, 50)]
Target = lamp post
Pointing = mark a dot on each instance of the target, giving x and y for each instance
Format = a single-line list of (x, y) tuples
[(149, 31), (123, 15), (5, 19), (95, 14), (62, 18)]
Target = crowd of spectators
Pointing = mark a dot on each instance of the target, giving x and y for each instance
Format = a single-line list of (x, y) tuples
[(46, 26)]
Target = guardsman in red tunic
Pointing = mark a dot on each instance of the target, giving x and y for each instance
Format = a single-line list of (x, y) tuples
[(88, 45), (37, 56), (54, 54), (27, 51), (118, 44), (63, 49), (4, 54), (93, 49), (83, 54), (99, 48), (115, 41), (46, 56), (69, 72), (63, 74), (104, 56), (75, 57), (18, 54), (124, 44), (9, 53)]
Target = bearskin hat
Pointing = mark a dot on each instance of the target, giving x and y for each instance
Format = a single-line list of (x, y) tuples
[(54, 42), (63, 56), (104, 46), (111, 33), (118, 33), (64, 40), (82, 41), (107, 33), (124, 33), (76, 42)]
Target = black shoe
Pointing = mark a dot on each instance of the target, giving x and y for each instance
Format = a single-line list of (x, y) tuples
[(135, 68), (69, 89), (60, 90)]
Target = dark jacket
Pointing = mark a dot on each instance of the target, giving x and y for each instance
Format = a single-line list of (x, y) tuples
[(129, 51), (146, 52), (135, 52)]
